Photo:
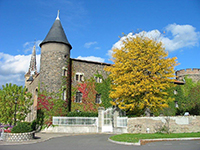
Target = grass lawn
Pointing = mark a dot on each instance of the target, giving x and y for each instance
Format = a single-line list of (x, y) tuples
[(133, 138)]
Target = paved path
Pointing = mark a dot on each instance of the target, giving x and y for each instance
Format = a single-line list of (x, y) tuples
[(97, 142)]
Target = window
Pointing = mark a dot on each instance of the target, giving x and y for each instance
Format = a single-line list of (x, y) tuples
[(64, 94), (175, 92), (78, 97), (79, 77), (64, 71), (176, 104), (98, 79), (98, 98)]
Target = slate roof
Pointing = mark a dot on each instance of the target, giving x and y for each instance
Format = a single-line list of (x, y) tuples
[(56, 34)]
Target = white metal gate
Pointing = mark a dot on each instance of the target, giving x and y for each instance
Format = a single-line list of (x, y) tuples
[(107, 120)]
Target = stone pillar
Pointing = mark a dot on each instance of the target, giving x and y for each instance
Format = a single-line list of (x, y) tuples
[(100, 118), (115, 115)]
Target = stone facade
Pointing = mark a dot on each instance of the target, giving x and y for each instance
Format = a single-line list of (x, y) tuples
[(192, 73), (88, 69), (33, 88), (54, 57), (177, 124)]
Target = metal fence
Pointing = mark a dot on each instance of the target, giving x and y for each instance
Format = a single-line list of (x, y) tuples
[(122, 121), (75, 121)]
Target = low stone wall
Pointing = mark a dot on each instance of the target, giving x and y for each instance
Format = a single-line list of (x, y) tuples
[(119, 130), (71, 129), (18, 137), (177, 124)]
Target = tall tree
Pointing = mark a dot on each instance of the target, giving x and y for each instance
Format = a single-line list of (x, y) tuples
[(11, 97), (141, 73)]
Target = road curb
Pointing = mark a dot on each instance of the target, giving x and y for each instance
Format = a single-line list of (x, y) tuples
[(145, 141)]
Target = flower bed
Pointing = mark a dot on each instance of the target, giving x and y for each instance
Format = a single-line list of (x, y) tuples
[(18, 137)]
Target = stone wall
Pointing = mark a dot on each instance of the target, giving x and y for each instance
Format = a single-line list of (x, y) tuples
[(177, 124), (72, 129), (192, 73), (18, 137), (33, 88)]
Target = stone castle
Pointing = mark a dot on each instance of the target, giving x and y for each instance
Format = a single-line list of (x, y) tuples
[(56, 65), (192, 73)]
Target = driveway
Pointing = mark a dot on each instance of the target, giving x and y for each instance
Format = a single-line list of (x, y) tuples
[(100, 142)]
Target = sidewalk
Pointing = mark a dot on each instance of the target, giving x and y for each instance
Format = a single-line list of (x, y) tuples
[(39, 137)]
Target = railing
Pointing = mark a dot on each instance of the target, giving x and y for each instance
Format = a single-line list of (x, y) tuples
[(122, 121), (75, 121)]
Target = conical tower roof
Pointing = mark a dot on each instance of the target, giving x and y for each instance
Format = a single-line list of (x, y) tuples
[(56, 34)]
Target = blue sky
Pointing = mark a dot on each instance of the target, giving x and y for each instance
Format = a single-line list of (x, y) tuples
[(93, 28)]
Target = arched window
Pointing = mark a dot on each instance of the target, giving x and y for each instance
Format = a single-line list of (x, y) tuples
[(64, 71), (64, 94)]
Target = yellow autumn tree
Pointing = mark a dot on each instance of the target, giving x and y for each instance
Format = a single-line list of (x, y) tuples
[(141, 73)]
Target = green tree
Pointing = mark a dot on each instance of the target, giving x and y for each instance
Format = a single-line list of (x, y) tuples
[(194, 100), (184, 96), (9, 94), (140, 75)]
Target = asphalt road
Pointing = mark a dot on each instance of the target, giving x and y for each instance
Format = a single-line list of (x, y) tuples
[(100, 142)]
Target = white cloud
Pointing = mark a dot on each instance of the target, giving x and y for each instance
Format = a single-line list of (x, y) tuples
[(13, 68), (181, 36), (91, 58), (89, 44)]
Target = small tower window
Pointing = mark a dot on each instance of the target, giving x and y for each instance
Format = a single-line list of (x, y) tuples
[(64, 71), (78, 97), (64, 94)]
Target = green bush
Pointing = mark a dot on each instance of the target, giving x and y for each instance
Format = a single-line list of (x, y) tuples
[(82, 114), (22, 127)]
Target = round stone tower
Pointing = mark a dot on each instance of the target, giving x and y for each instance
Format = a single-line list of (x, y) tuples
[(55, 58), (193, 73)]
